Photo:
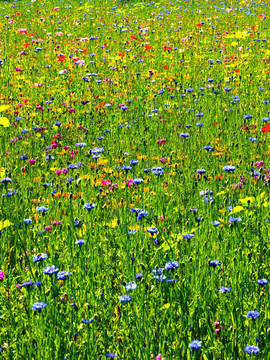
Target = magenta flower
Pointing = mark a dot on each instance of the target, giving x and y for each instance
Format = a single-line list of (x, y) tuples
[(2, 275), (32, 161)]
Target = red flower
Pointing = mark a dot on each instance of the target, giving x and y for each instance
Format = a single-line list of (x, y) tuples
[(61, 58), (266, 128)]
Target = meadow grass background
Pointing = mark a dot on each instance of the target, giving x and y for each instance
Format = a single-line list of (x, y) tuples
[(183, 88)]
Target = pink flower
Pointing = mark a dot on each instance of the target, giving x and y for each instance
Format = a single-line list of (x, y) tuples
[(161, 141), (58, 172), (163, 160), (2, 275), (66, 147), (22, 31), (129, 182), (48, 228), (32, 161), (64, 171)]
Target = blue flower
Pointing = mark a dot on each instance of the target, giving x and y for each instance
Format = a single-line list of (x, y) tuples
[(131, 286), (247, 117), (80, 145), (38, 306), (126, 168), (89, 206), (23, 157), (27, 283), (253, 139), (262, 282), (229, 168), (39, 257), (184, 135), (111, 355), (27, 221), (171, 265), (77, 223), (134, 162), (187, 236), (125, 298), (142, 214), (80, 242), (201, 171), (195, 345), (253, 314), (224, 289), (63, 275), (50, 270), (138, 275), (5, 180), (137, 181), (152, 230), (136, 210), (158, 271), (214, 263), (132, 232), (249, 349), (42, 209), (234, 220), (215, 223), (157, 170), (86, 321)]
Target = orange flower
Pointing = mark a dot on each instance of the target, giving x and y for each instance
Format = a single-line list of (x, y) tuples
[(133, 37), (26, 46)]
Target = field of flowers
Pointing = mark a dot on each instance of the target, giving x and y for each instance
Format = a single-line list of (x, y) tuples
[(134, 178)]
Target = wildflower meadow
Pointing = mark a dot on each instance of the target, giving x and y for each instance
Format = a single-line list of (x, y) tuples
[(134, 179)]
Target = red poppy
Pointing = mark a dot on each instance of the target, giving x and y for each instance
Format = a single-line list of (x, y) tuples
[(215, 123), (26, 45), (266, 128), (133, 37), (122, 55), (237, 70), (147, 47), (165, 67), (61, 58)]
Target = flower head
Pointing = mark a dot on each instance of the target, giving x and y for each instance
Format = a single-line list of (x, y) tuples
[(249, 349), (38, 306), (195, 345)]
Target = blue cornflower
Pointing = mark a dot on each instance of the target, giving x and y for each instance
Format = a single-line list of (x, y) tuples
[(89, 206), (200, 124), (134, 162), (138, 275), (137, 181), (136, 210), (125, 298), (111, 355), (214, 263), (49, 158), (224, 289), (249, 349), (131, 286), (171, 265), (234, 220), (27, 283), (77, 223), (253, 314), (80, 242), (80, 145), (229, 168), (39, 257), (5, 180), (42, 209), (157, 170), (86, 321), (158, 271), (142, 214), (152, 230), (187, 236), (63, 275), (201, 171), (50, 270), (27, 221), (132, 232), (126, 168), (195, 345), (23, 157), (38, 306), (184, 135), (253, 139), (215, 223), (262, 282)]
